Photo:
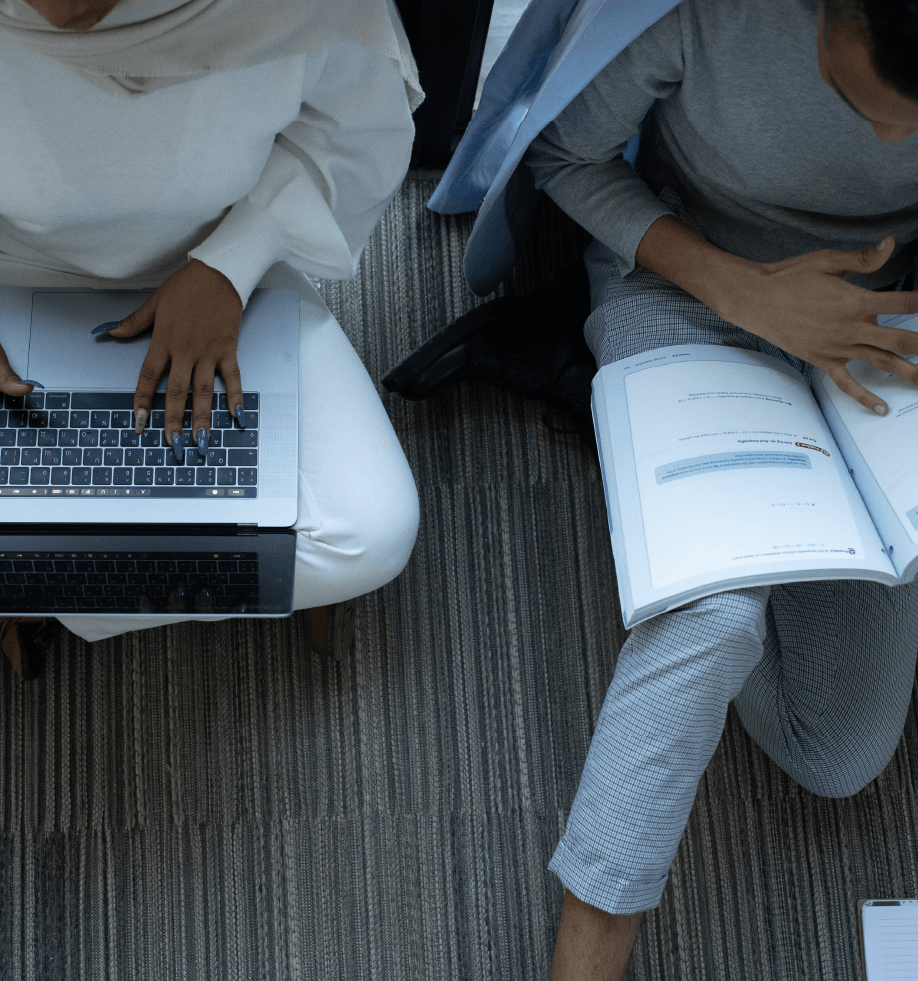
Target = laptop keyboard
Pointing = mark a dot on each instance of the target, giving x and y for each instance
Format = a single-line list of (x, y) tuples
[(70, 444), (129, 582)]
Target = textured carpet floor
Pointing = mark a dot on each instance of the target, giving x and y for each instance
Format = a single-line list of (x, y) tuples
[(213, 801)]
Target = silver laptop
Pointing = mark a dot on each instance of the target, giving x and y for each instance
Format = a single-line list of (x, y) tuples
[(95, 518)]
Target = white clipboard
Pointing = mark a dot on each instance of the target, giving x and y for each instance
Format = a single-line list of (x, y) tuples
[(889, 939)]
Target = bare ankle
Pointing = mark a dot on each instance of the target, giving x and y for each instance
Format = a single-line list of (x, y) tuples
[(592, 945)]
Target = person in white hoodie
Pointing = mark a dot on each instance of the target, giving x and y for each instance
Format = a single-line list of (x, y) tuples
[(202, 148)]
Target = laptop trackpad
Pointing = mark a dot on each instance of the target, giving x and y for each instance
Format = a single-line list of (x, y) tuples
[(64, 354)]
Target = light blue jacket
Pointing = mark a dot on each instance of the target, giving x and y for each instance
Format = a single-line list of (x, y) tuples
[(556, 50)]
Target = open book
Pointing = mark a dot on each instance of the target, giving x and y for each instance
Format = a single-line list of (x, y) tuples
[(723, 469)]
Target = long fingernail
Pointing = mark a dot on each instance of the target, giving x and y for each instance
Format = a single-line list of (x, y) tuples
[(177, 449), (880, 410), (201, 437), (140, 420), (111, 325), (29, 381), (239, 413)]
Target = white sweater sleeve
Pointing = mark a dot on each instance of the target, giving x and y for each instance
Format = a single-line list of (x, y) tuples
[(329, 177)]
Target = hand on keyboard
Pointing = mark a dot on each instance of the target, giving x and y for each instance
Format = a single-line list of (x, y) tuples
[(195, 315)]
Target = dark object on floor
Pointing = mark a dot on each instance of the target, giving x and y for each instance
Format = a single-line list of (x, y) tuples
[(26, 642), (330, 629), (531, 345)]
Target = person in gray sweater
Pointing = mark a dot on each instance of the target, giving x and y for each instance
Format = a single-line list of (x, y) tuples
[(774, 206)]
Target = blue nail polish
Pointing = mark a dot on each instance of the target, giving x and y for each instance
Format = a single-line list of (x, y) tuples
[(29, 381), (201, 437), (239, 413), (177, 449), (111, 325)]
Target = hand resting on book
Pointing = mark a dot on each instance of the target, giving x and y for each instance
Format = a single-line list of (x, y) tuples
[(803, 305)]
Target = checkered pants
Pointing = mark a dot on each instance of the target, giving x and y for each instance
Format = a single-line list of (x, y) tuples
[(820, 673)]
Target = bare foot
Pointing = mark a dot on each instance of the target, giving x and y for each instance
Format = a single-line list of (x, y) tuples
[(592, 945)]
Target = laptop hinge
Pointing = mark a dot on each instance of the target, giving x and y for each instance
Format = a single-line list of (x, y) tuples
[(248, 529)]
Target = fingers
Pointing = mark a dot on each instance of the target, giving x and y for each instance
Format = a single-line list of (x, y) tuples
[(202, 398), (890, 339), (154, 364), (176, 397), (862, 260), (229, 370), (10, 383), (841, 376), (134, 323)]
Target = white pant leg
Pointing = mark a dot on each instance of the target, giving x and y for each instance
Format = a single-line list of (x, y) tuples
[(357, 514)]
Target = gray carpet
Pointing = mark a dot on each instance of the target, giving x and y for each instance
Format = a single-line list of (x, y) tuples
[(214, 801)]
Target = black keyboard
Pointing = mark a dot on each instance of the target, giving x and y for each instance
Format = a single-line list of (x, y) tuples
[(129, 582), (83, 444)]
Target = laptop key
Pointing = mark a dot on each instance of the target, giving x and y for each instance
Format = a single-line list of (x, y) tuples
[(79, 419), (154, 458), (4, 476), (9, 457), (243, 458), (26, 437), (216, 458), (113, 458), (60, 475), (38, 419), (19, 475), (240, 437), (121, 419), (226, 476), (184, 476), (249, 401), (129, 438), (81, 476), (133, 458), (89, 437), (123, 476), (205, 476), (143, 476), (34, 400), (51, 458), (100, 419), (108, 437), (19, 418), (47, 437), (57, 400), (150, 437), (248, 477), (72, 457), (67, 437), (92, 457), (39, 476), (102, 476), (7, 437), (31, 457), (164, 476)]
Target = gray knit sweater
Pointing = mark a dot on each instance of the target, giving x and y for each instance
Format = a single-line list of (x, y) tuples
[(769, 160)]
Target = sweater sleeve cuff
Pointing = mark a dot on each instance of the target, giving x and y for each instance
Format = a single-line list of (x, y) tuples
[(244, 246), (629, 238)]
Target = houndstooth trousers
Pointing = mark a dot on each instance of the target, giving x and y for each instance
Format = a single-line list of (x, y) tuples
[(821, 673)]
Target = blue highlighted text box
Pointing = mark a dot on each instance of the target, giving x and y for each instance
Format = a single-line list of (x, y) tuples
[(715, 462)]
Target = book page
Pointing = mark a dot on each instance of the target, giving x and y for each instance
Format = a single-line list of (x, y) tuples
[(888, 444), (890, 934), (735, 468)]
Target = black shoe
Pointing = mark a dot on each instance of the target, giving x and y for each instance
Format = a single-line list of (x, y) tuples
[(531, 345), (26, 642)]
